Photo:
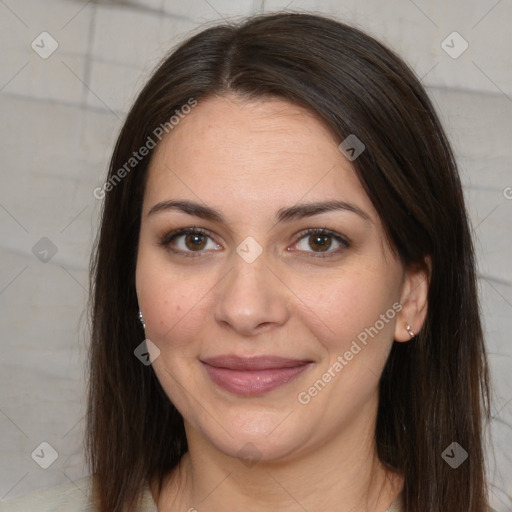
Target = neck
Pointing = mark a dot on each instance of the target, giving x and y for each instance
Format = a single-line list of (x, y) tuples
[(343, 475)]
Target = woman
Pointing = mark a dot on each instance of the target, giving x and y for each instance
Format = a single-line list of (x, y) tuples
[(284, 307)]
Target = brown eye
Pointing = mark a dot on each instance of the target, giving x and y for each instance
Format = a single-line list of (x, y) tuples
[(195, 241), (188, 241), (320, 242), (316, 241)]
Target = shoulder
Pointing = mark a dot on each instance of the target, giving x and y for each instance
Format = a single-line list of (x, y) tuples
[(72, 497), (396, 506)]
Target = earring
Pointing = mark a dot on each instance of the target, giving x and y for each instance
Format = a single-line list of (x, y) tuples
[(411, 334), (141, 320)]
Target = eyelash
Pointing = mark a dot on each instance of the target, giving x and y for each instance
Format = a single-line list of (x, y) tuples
[(168, 238)]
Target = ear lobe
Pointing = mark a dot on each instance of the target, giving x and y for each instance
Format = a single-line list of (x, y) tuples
[(414, 301)]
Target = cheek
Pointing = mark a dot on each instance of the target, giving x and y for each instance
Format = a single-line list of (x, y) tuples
[(353, 318), (177, 305), (174, 304), (344, 307), (174, 314), (153, 290)]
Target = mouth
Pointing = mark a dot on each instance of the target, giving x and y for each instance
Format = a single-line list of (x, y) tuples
[(253, 375)]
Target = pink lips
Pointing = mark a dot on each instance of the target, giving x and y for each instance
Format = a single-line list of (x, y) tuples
[(253, 375)]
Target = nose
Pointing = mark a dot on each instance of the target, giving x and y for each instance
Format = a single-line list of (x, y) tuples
[(251, 298)]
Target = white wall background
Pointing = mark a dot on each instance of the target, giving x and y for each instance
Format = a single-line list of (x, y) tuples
[(60, 116)]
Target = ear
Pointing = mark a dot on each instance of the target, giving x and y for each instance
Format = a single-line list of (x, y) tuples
[(414, 301)]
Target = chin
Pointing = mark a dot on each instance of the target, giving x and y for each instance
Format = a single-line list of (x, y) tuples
[(257, 435)]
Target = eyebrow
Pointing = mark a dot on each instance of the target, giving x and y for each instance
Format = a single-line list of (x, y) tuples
[(299, 211)]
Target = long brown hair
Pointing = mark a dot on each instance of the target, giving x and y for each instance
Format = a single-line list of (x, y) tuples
[(434, 390)]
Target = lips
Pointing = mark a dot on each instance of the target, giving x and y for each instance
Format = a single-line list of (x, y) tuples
[(253, 375)]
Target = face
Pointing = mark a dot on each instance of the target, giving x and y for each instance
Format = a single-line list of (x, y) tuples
[(273, 319)]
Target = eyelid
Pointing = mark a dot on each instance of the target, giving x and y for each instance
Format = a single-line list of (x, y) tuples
[(167, 238), (343, 240)]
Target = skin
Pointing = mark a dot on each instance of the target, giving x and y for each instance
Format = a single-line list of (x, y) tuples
[(247, 159)]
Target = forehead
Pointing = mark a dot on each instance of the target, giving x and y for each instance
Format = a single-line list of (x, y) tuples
[(260, 154)]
